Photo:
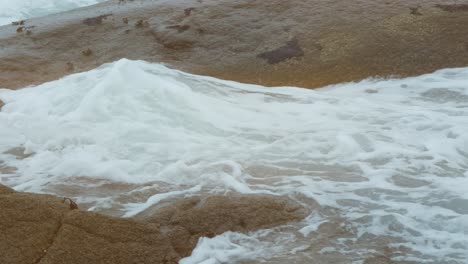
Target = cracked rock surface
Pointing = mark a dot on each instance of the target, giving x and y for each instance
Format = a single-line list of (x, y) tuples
[(37, 228)]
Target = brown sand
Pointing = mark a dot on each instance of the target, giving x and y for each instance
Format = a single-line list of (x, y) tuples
[(302, 43), (42, 229)]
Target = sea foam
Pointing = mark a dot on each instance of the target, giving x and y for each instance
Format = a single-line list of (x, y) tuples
[(386, 160)]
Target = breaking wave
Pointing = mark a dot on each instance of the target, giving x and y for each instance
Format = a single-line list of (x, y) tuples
[(386, 160)]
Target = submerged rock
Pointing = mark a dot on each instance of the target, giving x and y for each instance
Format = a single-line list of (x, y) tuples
[(301, 43), (197, 217), (38, 228)]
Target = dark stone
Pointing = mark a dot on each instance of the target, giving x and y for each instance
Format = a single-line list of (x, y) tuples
[(93, 21), (290, 50)]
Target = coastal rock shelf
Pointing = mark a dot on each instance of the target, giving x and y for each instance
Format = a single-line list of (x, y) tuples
[(298, 43), (43, 229)]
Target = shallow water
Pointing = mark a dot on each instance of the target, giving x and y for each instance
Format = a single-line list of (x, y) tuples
[(14, 10), (381, 164)]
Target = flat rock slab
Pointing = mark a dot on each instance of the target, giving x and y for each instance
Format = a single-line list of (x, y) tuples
[(308, 43), (38, 228)]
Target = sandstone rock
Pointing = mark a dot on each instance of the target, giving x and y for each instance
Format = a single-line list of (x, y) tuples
[(302, 43), (92, 238), (42, 229), (210, 216), (5, 190), (27, 225)]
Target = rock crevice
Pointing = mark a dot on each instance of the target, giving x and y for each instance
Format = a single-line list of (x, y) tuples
[(51, 243)]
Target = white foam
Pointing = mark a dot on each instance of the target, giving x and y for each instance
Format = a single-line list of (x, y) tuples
[(313, 222), (230, 247), (14, 10), (133, 209), (392, 154)]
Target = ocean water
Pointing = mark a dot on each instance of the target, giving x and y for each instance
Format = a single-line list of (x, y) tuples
[(382, 165), (14, 10)]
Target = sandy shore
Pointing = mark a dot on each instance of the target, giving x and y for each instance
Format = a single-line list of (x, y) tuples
[(301, 43)]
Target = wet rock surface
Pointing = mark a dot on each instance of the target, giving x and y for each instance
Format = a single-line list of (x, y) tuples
[(301, 43), (291, 49), (189, 219), (43, 229)]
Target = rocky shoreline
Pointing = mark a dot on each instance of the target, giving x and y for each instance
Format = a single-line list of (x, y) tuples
[(294, 43), (37, 228), (274, 43)]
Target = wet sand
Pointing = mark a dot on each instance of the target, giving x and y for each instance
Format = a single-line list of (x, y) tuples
[(296, 43)]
